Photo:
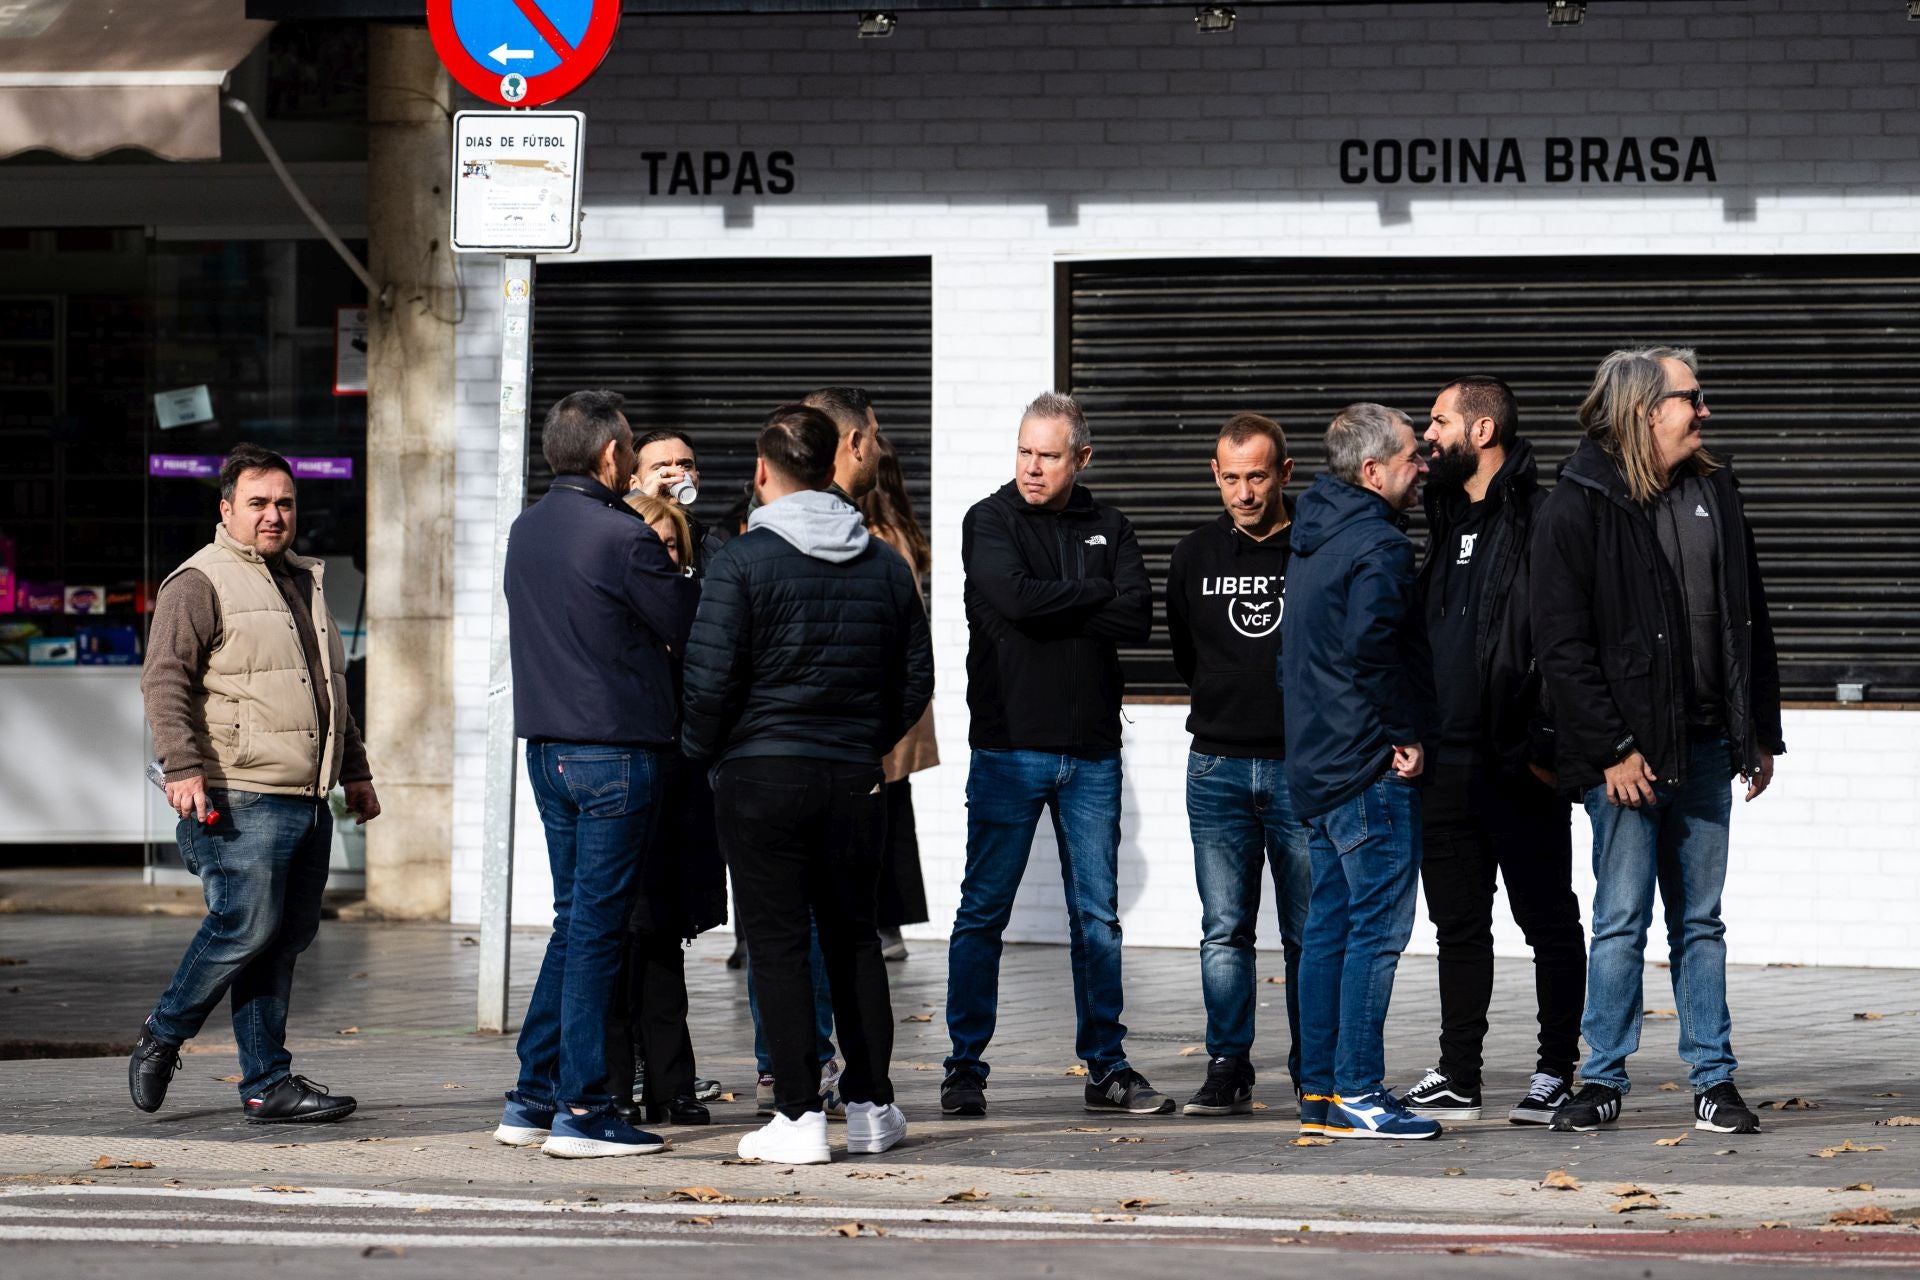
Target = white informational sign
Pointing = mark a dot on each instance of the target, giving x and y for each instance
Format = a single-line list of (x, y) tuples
[(350, 351), (183, 408), (516, 181)]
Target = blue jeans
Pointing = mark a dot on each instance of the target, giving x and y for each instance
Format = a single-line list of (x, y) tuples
[(1680, 843), (263, 868), (822, 1011), (598, 804), (1241, 815), (1006, 791), (1366, 872)]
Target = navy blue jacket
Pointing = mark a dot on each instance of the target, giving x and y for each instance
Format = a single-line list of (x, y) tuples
[(594, 605), (1354, 663)]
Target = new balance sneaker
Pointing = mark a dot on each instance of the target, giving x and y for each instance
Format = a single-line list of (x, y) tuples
[(1376, 1115), (600, 1132), (763, 1094), (704, 1090), (1587, 1110), (1127, 1090), (522, 1124), (831, 1102), (150, 1070), (874, 1127), (964, 1093), (296, 1100), (784, 1141), (1722, 1110), (1546, 1093), (1227, 1091), (1313, 1112), (1440, 1097)]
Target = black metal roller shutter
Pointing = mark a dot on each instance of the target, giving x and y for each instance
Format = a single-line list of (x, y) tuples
[(1811, 366), (711, 347)]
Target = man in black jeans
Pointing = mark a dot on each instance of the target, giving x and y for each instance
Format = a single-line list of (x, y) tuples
[(809, 657), (1490, 803)]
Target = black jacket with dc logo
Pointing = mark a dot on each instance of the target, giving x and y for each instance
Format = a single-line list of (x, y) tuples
[(1223, 614)]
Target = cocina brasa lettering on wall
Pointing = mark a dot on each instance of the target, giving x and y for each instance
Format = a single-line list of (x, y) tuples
[(1454, 161)]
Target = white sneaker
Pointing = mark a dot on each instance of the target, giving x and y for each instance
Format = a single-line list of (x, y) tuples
[(874, 1127), (784, 1141)]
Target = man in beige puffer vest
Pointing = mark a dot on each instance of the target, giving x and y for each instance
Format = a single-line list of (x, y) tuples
[(246, 691)]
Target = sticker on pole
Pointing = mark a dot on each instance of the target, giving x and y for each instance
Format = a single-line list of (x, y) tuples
[(522, 53), (516, 181)]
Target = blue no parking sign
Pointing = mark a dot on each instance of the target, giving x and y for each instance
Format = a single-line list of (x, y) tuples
[(522, 53)]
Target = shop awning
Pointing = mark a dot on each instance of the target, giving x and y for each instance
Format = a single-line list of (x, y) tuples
[(83, 77)]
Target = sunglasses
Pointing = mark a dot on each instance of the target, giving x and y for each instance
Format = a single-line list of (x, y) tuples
[(1692, 395)]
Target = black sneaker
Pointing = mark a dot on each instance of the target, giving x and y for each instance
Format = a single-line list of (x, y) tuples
[(150, 1070), (963, 1093), (1546, 1093), (1228, 1090), (297, 1100), (1439, 1097), (1722, 1110), (1127, 1090), (1587, 1110)]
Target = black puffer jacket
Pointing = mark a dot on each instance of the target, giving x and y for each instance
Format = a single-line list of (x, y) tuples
[(1049, 595), (810, 641), (1610, 629)]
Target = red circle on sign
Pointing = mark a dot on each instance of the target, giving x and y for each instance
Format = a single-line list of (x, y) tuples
[(484, 82)]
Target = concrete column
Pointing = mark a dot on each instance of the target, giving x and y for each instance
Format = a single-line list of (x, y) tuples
[(410, 464)]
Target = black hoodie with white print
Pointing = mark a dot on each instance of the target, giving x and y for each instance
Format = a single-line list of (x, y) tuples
[(1224, 597)]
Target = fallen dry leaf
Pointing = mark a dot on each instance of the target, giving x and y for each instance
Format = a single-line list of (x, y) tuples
[(285, 1189), (1453, 1172), (384, 1251), (9, 960), (1868, 1017), (969, 1196), (697, 1220), (1658, 1013), (1846, 1147), (117, 1162), (1670, 1142), (1259, 1106), (348, 1031), (1137, 1202), (1688, 1217), (871, 1176), (726, 1097), (1793, 1104), (1894, 1094), (1126, 1139), (852, 1229), (1077, 1069), (1900, 1122), (1628, 1189), (453, 1086), (1084, 1128), (750, 1160), (1858, 1186), (918, 1017), (1669, 1087), (1866, 1215), (1029, 1173), (235, 1078), (1311, 1142), (1192, 1049), (1560, 1180), (1645, 1200), (1773, 1226), (700, 1195), (1279, 980)]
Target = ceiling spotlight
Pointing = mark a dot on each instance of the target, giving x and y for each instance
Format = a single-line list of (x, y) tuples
[(1214, 19), (874, 26), (1566, 13)]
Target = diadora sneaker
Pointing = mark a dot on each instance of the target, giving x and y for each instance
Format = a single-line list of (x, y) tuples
[(1127, 1090), (1313, 1112), (1587, 1110), (963, 1093), (1227, 1091), (763, 1094), (1545, 1094), (600, 1132), (1439, 1097), (874, 1127), (1722, 1110), (784, 1141), (522, 1124), (1376, 1115), (831, 1102)]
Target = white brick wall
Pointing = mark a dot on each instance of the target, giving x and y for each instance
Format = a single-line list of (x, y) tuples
[(1000, 144)]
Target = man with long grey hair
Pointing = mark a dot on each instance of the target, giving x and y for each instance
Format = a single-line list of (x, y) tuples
[(1651, 626), (1358, 683)]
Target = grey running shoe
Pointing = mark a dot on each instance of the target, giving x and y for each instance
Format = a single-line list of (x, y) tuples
[(1127, 1090)]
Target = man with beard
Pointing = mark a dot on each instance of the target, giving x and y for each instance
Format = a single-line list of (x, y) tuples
[(1489, 803)]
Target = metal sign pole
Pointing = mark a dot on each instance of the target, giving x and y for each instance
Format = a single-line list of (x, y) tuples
[(509, 497)]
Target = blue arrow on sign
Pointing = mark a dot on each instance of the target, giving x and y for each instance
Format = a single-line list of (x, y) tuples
[(531, 37)]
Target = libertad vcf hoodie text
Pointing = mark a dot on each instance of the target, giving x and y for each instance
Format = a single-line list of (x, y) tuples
[(1050, 596), (1223, 615), (1354, 664)]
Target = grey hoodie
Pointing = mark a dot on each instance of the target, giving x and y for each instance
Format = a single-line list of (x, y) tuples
[(817, 523)]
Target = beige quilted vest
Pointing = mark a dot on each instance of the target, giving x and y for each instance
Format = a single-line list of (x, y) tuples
[(257, 711)]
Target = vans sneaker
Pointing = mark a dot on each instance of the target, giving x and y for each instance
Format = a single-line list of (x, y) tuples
[(784, 1141), (600, 1132), (1227, 1091), (1127, 1090), (874, 1127), (1722, 1110), (1440, 1097), (1313, 1112), (1587, 1110), (1545, 1094), (523, 1124), (1377, 1115)]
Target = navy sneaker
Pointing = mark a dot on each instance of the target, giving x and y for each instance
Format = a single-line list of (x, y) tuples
[(600, 1132), (522, 1124), (1377, 1115), (1313, 1112)]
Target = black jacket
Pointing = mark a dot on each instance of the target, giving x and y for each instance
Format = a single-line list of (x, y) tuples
[(1514, 727), (1353, 655), (1223, 616), (1050, 595), (595, 605), (1610, 629), (822, 652)]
